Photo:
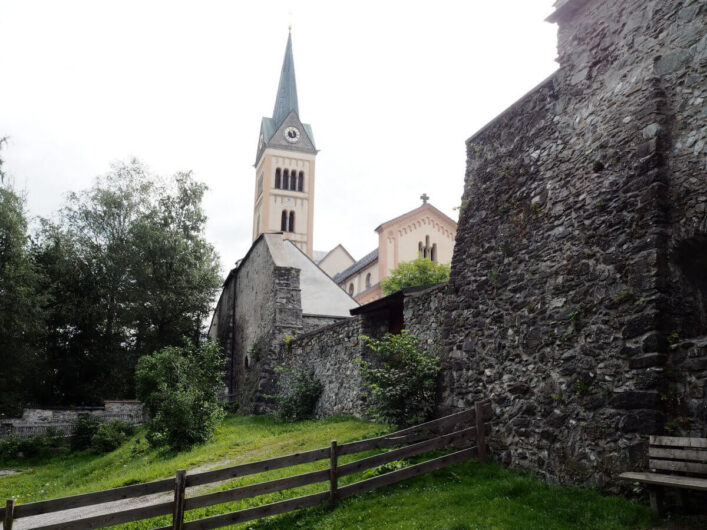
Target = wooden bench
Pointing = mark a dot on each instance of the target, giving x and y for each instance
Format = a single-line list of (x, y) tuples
[(677, 455)]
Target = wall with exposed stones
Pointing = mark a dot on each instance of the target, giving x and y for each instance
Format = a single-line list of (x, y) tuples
[(571, 274), (260, 305), (331, 354), (36, 421), (423, 316)]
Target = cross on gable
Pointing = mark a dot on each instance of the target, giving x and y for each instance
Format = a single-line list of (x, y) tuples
[(424, 198)]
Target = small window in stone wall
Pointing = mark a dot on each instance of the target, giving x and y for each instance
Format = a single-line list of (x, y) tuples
[(351, 289), (285, 179), (300, 182), (278, 178), (368, 280)]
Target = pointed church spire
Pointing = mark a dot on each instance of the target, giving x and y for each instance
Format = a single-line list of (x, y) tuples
[(286, 100)]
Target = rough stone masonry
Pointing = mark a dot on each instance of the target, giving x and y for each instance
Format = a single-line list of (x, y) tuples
[(578, 287), (578, 296)]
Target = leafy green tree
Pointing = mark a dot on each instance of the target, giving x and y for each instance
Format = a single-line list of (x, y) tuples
[(21, 306), (404, 391), (180, 388), (129, 272), (418, 272)]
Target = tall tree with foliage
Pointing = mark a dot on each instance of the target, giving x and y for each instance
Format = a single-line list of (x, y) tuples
[(129, 272), (21, 306), (415, 273)]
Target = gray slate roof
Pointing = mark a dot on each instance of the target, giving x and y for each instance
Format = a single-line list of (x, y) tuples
[(286, 100), (364, 262)]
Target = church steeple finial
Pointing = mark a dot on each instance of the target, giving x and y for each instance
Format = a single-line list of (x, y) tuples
[(286, 100)]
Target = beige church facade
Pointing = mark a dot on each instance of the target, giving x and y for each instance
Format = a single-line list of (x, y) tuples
[(423, 232), (284, 203)]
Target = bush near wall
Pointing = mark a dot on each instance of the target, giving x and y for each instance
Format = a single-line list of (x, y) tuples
[(404, 391)]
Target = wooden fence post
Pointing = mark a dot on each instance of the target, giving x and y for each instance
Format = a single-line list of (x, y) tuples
[(480, 431), (9, 512), (333, 478), (180, 484)]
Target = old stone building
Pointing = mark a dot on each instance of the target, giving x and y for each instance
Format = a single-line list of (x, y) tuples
[(273, 294), (577, 299)]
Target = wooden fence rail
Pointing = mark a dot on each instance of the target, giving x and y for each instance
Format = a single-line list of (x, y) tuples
[(465, 431)]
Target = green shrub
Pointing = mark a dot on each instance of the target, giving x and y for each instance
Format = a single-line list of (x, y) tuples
[(299, 402), (109, 436), (13, 447), (9, 447), (404, 391), (85, 427), (180, 387)]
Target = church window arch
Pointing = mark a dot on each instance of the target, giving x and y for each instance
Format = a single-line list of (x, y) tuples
[(351, 289), (368, 280), (433, 253), (278, 178), (300, 182), (419, 249), (285, 179), (293, 180), (283, 221), (291, 226)]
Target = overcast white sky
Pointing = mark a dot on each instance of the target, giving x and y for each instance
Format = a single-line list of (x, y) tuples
[(392, 89)]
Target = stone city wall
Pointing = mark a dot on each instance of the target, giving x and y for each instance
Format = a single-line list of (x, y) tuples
[(567, 280), (331, 353), (36, 421)]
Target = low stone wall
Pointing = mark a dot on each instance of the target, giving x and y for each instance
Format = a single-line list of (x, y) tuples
[(36, 421), (332, 354)]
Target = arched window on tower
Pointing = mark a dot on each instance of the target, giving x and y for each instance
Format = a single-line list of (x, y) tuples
[(300, 182), (278, 178), (283, 221), (368, 280), (285, 180), (292, 222), (293, 180), (433, 253)]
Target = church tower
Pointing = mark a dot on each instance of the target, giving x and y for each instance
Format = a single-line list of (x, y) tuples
[(284, 167)]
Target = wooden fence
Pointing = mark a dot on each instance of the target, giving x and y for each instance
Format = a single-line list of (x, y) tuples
[(465, 431)]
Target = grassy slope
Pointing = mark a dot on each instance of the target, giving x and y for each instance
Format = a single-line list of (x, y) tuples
[(465, 496)]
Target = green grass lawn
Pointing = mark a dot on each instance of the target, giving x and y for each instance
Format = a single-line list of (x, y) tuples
[(468, 495)]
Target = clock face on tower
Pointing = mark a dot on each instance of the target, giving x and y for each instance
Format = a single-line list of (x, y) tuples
[(292, 134)]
